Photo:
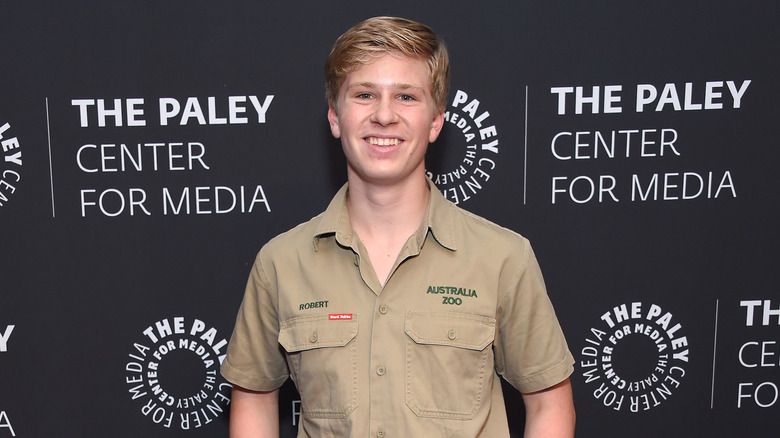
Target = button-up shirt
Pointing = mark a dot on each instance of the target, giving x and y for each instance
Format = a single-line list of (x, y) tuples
[(420, 356)]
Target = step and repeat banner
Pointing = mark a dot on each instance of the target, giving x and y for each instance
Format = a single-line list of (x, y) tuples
[(148, 150)]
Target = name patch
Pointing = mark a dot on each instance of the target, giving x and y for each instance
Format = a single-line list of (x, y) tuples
[(313, 305)]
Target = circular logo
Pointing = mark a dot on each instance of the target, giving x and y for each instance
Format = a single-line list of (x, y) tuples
[(468, 129), (174, 373), (635, 360), (10, 164)]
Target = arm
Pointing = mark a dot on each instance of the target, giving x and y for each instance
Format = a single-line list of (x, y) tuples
[(549, 413), (254, 414)]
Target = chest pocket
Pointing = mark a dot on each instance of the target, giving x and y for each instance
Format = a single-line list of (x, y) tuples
[(322, 355), (449, 363)]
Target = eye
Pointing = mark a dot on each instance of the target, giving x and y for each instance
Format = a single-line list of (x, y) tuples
[(406, 97), (364, 96)]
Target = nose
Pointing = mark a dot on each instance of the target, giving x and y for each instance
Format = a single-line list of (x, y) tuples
[(384, 112)]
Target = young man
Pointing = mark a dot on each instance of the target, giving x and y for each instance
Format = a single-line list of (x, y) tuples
[(395, 311)]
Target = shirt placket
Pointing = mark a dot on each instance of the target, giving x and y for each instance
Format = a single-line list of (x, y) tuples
[(387, 363)]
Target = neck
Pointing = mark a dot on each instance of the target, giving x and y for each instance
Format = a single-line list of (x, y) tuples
[(385, 216), (392, 210)]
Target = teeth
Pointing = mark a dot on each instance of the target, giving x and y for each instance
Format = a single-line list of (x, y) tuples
[(383, 141)]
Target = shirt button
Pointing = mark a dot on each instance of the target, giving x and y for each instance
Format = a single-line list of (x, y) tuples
[(451, 335), (380, 433), (383, 309), (313, 337), (380, 370)]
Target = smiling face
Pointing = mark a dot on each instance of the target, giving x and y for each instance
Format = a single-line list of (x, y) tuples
[(385, 119)]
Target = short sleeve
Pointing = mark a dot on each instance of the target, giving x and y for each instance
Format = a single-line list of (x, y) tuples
[(531, 350), (254, 357)]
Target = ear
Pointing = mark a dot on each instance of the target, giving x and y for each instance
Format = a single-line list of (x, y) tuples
[(436, 125), (333, 120)]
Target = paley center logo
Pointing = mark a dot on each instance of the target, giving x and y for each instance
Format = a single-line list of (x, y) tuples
[(636, 358), (461, 167), (10, 164), (174, 373)]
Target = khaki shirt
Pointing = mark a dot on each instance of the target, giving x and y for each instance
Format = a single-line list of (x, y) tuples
[(419, 357)]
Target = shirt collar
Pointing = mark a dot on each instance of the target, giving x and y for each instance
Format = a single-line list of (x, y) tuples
[(439, 219)]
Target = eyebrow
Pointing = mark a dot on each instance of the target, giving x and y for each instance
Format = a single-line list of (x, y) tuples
[(367, 84)]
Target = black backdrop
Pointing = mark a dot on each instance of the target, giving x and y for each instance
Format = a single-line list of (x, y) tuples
[(150, 148)]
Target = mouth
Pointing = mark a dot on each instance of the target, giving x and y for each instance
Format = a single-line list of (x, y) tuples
[(378, 141)]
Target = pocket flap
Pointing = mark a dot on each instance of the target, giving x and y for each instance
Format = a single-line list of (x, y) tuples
[(309, 332), (464, 330)]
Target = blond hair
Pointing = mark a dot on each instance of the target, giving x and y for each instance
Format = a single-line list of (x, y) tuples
[(378, 36)]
